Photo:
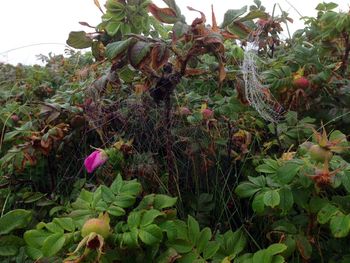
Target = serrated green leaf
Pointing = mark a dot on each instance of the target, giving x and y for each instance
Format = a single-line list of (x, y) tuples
[(53, 244), (259, 180), (35, 238), (170, 228), (345, 180), (124, 201), (107, 194), (150, 234), (33, 252), (130, 239), (272, 198), (115, 210), (9, 245), (149, 216), (203, 239), (79, 40), (163, 201), (15, 219), (134, 219), (181, 246), (232, 15), (326, 213), (258, 204), (117, 184), (138, 52), (253, 15), (66, 223), (275, 249), (210, 250), (193, 229), (54, 228), (246, 189), (262, 256), (287, 172), (340, 225), (114, 49), (132, 188), (286, 199), (112, 27)]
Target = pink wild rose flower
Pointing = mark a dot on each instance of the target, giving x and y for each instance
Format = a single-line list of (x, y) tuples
[(95, 160)]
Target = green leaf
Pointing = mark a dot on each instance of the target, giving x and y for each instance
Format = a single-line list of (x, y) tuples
[(149, 216), (79, 39), (264, 168), (340, 225), (114, 6), (117, 184), (114, 49), (33, 252), (259, 180), (275, 249), (150, 234), (238, 28), (246, 189), (234, 242), (325, 214), (115, 210), (53, 244), (258, 204), (164, 201), (36, 237), (66, 223), (139, 52), (345, 180), (170, 228), (9, 245), (286, 202), (107, 194), (271, 198), (181, 246), (112, 27), (54, 228), (180, 29), (254, 14), (132, 188), (278, 259), (211, 249), (130, 238), (124, 201), (134, 219), (287, 172), (18, 218), (193, 229), (232, 15), (262, 256), (188, 258), (203, 239)]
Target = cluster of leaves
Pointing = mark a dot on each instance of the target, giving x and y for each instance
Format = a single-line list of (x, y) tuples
[(146, 230), (300, 196), (167, 99)]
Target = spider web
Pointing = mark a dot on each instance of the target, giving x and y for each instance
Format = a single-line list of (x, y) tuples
[(257, 94)]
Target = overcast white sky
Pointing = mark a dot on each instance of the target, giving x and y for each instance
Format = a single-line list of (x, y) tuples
[(30, 22)]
